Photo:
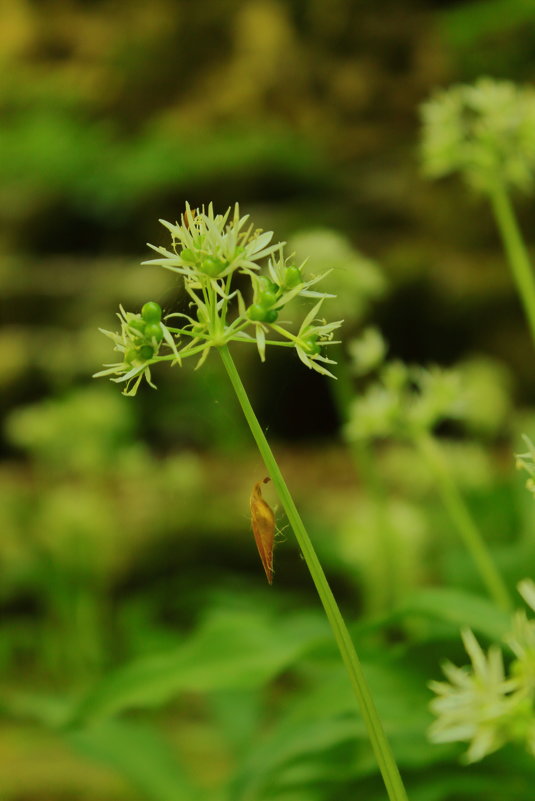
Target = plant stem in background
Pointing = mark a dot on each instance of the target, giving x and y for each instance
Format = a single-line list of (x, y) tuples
[(381, 747), (516, 251), (461, 517), (343, 393)]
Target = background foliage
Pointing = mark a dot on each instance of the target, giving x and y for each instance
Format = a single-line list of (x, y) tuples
[(141, 655)]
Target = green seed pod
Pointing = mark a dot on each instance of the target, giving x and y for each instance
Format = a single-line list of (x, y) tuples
[(267, 285), (270, 316), (267, 299), (146, 352), (154, 331), (212, 267), (187, 255), (311, 346), (292, 277), (256, 312), (137, 324), (151, 312), (131, 355)]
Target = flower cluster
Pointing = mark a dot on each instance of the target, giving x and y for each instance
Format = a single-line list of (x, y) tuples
[(483, 705), (403, 400), (231, 298), (485, 131)]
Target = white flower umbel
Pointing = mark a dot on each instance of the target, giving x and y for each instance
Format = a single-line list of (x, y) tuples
[(210, 251), (486, 131), (471, 706), (482, 704)]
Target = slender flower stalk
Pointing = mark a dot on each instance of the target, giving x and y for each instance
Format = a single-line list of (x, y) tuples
[(463, 521), (516, 251), (408, 403), (381, 747)]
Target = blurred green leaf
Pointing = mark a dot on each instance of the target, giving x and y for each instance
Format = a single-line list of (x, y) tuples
[(460, 609), (140, 755), (470, 22), (230, 650)]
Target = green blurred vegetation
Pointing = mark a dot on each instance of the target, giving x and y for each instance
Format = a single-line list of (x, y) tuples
[(141, 655)]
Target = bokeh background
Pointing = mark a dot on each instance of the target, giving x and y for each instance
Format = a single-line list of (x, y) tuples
[(124, 526)]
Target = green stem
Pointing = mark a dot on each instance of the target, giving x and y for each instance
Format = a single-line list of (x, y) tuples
[(379, 742), (516, 251), (462, 519)]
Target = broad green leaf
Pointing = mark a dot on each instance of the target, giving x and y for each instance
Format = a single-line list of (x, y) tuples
[(140, 755), (461, 609), (231, 650)]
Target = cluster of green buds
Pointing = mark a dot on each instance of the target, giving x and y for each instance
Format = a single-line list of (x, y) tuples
[(231, 298), (485, 131), (139, 342), (483, 704)]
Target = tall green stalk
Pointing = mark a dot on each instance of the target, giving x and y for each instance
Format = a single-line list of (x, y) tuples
[(381, 747), (516, 251), (461, 517)]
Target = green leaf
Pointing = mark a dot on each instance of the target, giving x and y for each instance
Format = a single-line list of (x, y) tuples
[(231, 650), (140, 755), (461, 609)]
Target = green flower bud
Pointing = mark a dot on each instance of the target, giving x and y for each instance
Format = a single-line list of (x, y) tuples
[(310, 345), (261, 315), (188, 255), (292, 277), (270, 316), (154, 331), (137, 324), (267, 285), (256, 313), (151, 312), (267, 299), (212, 267), (131, 355), (146, 352)]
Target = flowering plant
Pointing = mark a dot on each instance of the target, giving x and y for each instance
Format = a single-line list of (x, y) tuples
[(230, 299)]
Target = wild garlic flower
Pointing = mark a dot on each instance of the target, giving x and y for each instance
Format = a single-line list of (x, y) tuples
[(483, 704), (139, 342), (472, 705), (210, 251), (485, 131), (404, 401)]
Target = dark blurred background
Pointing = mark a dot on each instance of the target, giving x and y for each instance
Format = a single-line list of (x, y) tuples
[(120, 518), (114, 114)]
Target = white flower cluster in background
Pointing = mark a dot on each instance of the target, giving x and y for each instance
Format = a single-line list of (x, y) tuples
[(484, 704)]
